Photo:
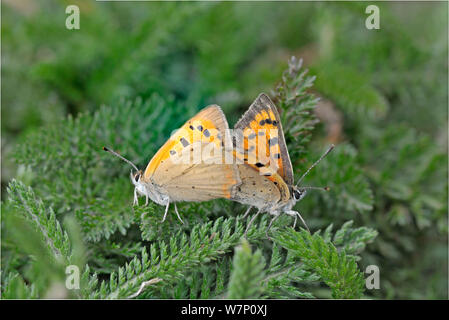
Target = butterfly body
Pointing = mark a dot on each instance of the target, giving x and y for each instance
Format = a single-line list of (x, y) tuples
[(266, 172), (191, 165)]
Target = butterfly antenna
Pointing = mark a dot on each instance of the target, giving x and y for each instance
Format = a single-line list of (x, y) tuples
[(316, 162), (317, 188), (119, 156)]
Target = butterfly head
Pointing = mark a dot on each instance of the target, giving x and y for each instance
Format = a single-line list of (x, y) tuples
[(136, 180), (298, 193), (135, 177)]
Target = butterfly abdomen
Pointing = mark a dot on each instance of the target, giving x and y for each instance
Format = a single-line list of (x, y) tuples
[(258, 191)]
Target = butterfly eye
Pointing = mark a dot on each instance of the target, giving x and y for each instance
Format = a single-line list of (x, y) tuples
[(137, 177), (297, 194)]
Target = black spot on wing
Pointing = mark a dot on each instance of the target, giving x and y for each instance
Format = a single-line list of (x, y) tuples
[(273, 141), (184, 142), (267, 174)]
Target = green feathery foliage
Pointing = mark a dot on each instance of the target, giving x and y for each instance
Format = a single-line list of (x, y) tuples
[(247, 273), (169, 261), (153, 269), (48, 245), (379, 95), (43, 220), (16, 288), (338, 271)]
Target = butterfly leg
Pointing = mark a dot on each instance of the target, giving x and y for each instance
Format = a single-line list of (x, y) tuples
[(251, 222), (166, 210), (136, 201), (296, 214), (177, 213), (246, 213), (270, 224), (146, 199)]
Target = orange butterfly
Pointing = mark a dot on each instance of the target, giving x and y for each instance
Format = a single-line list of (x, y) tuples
[(191, 165), (265, 168)]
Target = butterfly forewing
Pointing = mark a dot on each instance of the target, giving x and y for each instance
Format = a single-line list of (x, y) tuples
[(260, 142), (191, 165)]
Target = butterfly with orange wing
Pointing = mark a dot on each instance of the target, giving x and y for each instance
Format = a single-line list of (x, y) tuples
[(265, 168), (191, 165)]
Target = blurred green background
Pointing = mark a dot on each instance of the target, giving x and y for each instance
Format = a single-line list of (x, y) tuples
[(384, 91)]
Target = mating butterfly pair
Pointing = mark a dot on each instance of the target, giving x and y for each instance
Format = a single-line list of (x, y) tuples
[(193, 165)]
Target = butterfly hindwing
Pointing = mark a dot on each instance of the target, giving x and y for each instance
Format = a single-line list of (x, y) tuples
[(260, 133), (201, 182), (191, 166), (256, 190)]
